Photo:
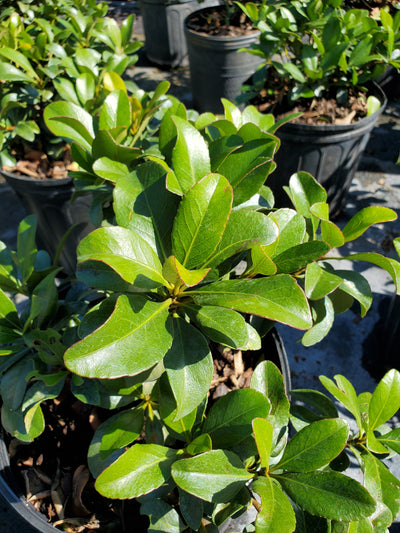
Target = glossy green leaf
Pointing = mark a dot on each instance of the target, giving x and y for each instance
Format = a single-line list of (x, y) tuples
[(145, 191), (319, 282), (244, 229), (229, 420), (345, 393), (385, 401), (263, 431), (365, 218), (356, 286), (261, 263), (110, 170), (391, 440), (189, 367), (304, 192), (391, 266), (24, 426), (141, 469), (276, 515), (86, 87), (163, 517), (323, 405), (221, 325), (190, 157), (315, 445), (192, 509), (200, 444), (10, 73), (26, 246), (324, 315), (292, 230), (179, 428), (328, 494), (8, 311), (277, 298), (201, 220), (381, 483), (104, 145), (125, 345), (267, 379), (215, 476), (70, 121), (126, 252), (299, 256), (20, 59), (112, 436), (115, 111)]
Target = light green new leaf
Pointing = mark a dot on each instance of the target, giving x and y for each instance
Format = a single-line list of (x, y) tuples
[(276, 515), (305, 191), (10, 73), (86, 87), (244, 229), (345, 393), (277, 298), (24, 426), (115, 111), (201, 220), (8, 311), (229, 420), (261, 263), (190, 158), (141, 469), (126, 252), (20, 60), (105, 145), (180, 276), (189, 367), (365, 218), (315, 446), (215, 476), (263, 431), (126, 344), (328, 494), (221, 325), (385, 401), (109, 169), (267, 379)]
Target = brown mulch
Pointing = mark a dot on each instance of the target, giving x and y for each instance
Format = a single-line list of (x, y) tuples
[(214, 21), (37, 165)]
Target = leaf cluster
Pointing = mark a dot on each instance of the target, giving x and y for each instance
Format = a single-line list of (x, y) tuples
[(51, 51), (318, 48)]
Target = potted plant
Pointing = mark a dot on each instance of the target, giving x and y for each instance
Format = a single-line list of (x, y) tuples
[(196, 257), (51, 51), (214, 36), (321, 60)]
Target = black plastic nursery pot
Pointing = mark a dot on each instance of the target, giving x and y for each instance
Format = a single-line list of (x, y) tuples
[(163, 28), (30, 520), (331, 153), (50, 201), (217, 69)]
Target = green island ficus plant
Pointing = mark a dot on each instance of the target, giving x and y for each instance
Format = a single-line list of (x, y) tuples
[(196, 254)]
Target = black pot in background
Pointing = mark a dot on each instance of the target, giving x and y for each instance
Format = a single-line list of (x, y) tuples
[(50, 201), (217, 69), (331, 153), (163, 27)]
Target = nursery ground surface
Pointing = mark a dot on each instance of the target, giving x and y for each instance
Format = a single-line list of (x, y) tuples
[(342, 351)]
